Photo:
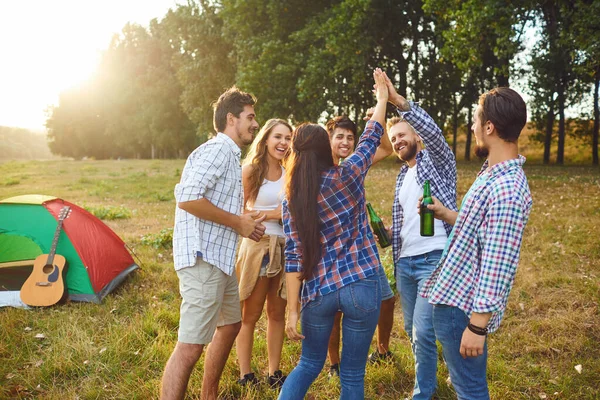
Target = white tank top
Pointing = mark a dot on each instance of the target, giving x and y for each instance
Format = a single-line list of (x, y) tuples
[(270, 196)]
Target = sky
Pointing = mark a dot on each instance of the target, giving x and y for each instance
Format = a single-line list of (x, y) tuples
[(47, 46)]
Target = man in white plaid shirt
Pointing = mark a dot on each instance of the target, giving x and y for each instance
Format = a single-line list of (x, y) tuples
[(470, 286), (208, 221)]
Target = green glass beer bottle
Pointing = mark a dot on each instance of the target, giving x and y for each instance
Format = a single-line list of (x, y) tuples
[(426, 213), (378, 227)]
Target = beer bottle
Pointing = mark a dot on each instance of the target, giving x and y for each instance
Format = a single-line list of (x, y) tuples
[(378, 228), (426, 213)]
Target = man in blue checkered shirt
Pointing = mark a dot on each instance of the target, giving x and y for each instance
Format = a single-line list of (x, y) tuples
[(419, 142), (208, 223), (470, 286)]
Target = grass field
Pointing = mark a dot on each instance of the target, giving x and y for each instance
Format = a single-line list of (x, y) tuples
[(118, 349)]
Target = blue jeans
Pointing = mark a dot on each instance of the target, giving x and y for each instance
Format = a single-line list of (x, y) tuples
[(411, 274), (386, 289), (468, 375), (360, 302)]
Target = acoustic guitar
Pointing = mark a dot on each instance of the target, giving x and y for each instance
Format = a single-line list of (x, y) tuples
[(45, 285)]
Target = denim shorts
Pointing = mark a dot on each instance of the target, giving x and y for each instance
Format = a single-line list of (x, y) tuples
[(386, 289), (263, 265)]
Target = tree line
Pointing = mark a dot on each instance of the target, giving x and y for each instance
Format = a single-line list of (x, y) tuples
[(309, 60)]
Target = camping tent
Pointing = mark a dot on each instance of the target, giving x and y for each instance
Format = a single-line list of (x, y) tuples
[(97, 259)]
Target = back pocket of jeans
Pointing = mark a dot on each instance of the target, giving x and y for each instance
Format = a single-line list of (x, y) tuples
[(366, 294), (316, 302)]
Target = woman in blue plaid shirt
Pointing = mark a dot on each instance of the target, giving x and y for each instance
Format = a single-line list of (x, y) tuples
[(331, 255)]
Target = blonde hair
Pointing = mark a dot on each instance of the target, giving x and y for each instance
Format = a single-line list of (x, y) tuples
[(257, 157), (396, 120)]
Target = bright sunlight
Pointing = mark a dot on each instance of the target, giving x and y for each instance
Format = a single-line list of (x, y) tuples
[(49, 46)]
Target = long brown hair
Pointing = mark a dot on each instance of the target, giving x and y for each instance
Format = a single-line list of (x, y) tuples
[(311, 155), (257, 157)]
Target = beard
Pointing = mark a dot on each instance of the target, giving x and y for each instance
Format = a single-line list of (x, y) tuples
[(248, 139), (482, 152), (409, 152)]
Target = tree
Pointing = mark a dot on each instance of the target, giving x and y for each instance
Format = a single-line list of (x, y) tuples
[(202, 59), (554, 82), (129, 108), (586, 25)]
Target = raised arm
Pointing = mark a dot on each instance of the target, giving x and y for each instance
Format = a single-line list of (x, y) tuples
[(357, 165), (385, 147), (432, 135)]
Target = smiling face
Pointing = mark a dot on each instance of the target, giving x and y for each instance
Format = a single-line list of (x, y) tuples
[(342, 143), (245, 126), (278, 142), (405, 142)]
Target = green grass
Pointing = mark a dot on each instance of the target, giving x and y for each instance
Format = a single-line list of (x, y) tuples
[(117, 350)]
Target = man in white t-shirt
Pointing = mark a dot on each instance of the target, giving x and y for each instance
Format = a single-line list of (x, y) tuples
[(419, 142)]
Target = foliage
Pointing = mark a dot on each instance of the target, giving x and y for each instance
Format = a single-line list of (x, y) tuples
[(22, 144), (311, 60), (130, 108), (162, 239), (109, 212)]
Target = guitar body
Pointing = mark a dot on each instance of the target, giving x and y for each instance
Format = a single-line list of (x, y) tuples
[(45, 286)]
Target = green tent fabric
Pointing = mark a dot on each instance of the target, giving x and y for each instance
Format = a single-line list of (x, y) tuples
[(14, 247)]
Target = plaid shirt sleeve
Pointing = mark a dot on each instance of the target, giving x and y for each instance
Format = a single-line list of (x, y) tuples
[(356, 166), (432, 135), (293, 255), (201, 173), (502, 237)]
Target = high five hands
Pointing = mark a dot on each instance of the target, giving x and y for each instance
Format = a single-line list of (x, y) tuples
[(380, 87), (393, 96)]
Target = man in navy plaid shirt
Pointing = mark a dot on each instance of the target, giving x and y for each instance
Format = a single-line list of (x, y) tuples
[(470, 286), (420, 143)]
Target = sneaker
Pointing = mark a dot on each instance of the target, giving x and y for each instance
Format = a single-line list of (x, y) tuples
[(248, 379), (276, 380), (376, 357), (334, 370)]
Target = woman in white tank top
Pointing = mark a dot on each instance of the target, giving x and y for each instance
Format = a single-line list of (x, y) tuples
[(260, 265)]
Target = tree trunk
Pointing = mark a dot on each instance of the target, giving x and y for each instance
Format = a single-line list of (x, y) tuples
[(416, 73), (596, 118), (468, 142), (560, 153), (549, 129), (502, 77), (454, 123), (402, 79)]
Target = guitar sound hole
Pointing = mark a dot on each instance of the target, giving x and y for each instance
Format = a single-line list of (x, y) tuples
[(48, 268)]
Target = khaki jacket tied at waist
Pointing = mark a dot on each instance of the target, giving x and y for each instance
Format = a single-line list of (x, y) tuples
[(249, 261)]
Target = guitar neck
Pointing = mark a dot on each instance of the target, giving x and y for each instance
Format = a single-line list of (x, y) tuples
[(55, 240)]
